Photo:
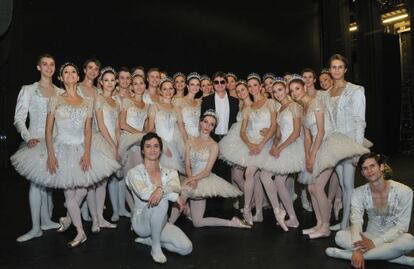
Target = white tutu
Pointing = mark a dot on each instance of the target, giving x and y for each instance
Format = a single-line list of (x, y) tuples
[(99, 143), (235, 152), (127, 140), (32, 164), (176, 161), (291, 160), (214, 186), (334, 148)]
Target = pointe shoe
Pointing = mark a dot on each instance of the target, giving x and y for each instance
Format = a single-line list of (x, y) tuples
[(309, 230), (50, 226), (240, 223), (280, 215), (247, 215), (124, 213), (115, 218), (106, 224), (335, 227), (145, 241), (95, 227), (320, 233), (305, 202), (28, 236), (337, 206), (258, 217), (76, 242), (158, 256), (64, 224), (292, 223)]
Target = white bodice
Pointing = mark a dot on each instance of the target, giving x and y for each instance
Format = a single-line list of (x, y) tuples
[(191, 119), (146, 98), (384, 223), (136, 116), (258, 119), (70, 119), (110, 114), (309, 120), (31, 102), (165, 122), (198, 159), (285, 119)]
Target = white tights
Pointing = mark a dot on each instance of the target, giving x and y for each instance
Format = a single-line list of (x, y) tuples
[(73, 199), (393, 251), (40, 211), (151, 225), (319, 199), (253, 186), (285, 195), (346, 175)]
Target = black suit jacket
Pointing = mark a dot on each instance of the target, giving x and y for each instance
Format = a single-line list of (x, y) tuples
[(209, 103)]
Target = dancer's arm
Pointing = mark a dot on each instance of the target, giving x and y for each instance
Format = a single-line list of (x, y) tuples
[(85, 161), (181, 126), (297, 120), (101, 123), (20, 116)]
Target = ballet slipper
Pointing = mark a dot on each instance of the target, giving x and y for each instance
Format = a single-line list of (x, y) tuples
[(145, 241), (280, 215), (50, 225), (158, 256), (103, 223), (311, 230), (115, 218), (335, 227), (95, 227), (124, 213), (404, 260), (240, 223), (33, 233), (64, 224), (320, 233), (305, 202), (79, 239)]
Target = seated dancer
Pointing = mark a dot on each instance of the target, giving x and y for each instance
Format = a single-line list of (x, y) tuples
[(200, 155), (388, 204), (153, 186)]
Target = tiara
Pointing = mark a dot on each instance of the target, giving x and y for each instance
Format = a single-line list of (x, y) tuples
[(254, 76), (107, 69), (166, 79), (296, 77), (65, 65), (230, 74), (241, 81), (193, 75), (269, 75), (178, 74), (212, 113), (324, 71), (279, 80), (138, 72), (205, 77)]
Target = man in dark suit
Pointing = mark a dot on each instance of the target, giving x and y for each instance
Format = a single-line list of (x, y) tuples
[(225, 106)]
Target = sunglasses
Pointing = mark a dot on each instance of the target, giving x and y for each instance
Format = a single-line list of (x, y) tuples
[(222, 82)]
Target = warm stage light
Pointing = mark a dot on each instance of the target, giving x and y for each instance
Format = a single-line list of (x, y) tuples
[(353, 28), (395, 18)]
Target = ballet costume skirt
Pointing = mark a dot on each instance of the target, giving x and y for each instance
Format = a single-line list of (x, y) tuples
[(230, 144), (292, 158), (235, 151), (135, 118), (110, 118), (68, 148), (334, 147), (212, 185), (166, 127)]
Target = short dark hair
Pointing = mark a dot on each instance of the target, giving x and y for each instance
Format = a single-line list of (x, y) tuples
[(380, 159), (122, 69), (220, 74), (147, 137), (153, 69), (92, 60), (44, 55)]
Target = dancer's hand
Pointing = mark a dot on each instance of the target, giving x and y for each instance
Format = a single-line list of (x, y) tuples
[(191, 183), (52, 164), (365, 244), (33, 142), (263, 132), (275, 152), (168, 153), (181, 204), (85, 162), (357, 260), (155, 197)]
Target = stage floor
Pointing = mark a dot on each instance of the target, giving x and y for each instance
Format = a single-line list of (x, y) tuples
[(265, 246)]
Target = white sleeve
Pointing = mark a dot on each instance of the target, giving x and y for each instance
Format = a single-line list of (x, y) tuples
[(358, 103), (136, 181), (172, 188), (21, 112)]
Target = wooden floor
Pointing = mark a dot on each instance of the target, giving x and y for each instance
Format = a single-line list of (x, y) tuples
[(266, 246)]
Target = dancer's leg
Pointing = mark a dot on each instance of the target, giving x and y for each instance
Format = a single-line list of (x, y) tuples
[(285, 197), (35, 205), (72, 198), (347, 188), (100, 192), (46, 222), (290, 186), (114, 197), (322, 205), (198, 207), (259, 198), (175, 212), (249, 187), (49, 202)]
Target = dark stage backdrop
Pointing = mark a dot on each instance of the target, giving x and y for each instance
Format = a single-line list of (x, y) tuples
[(203, 36)]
